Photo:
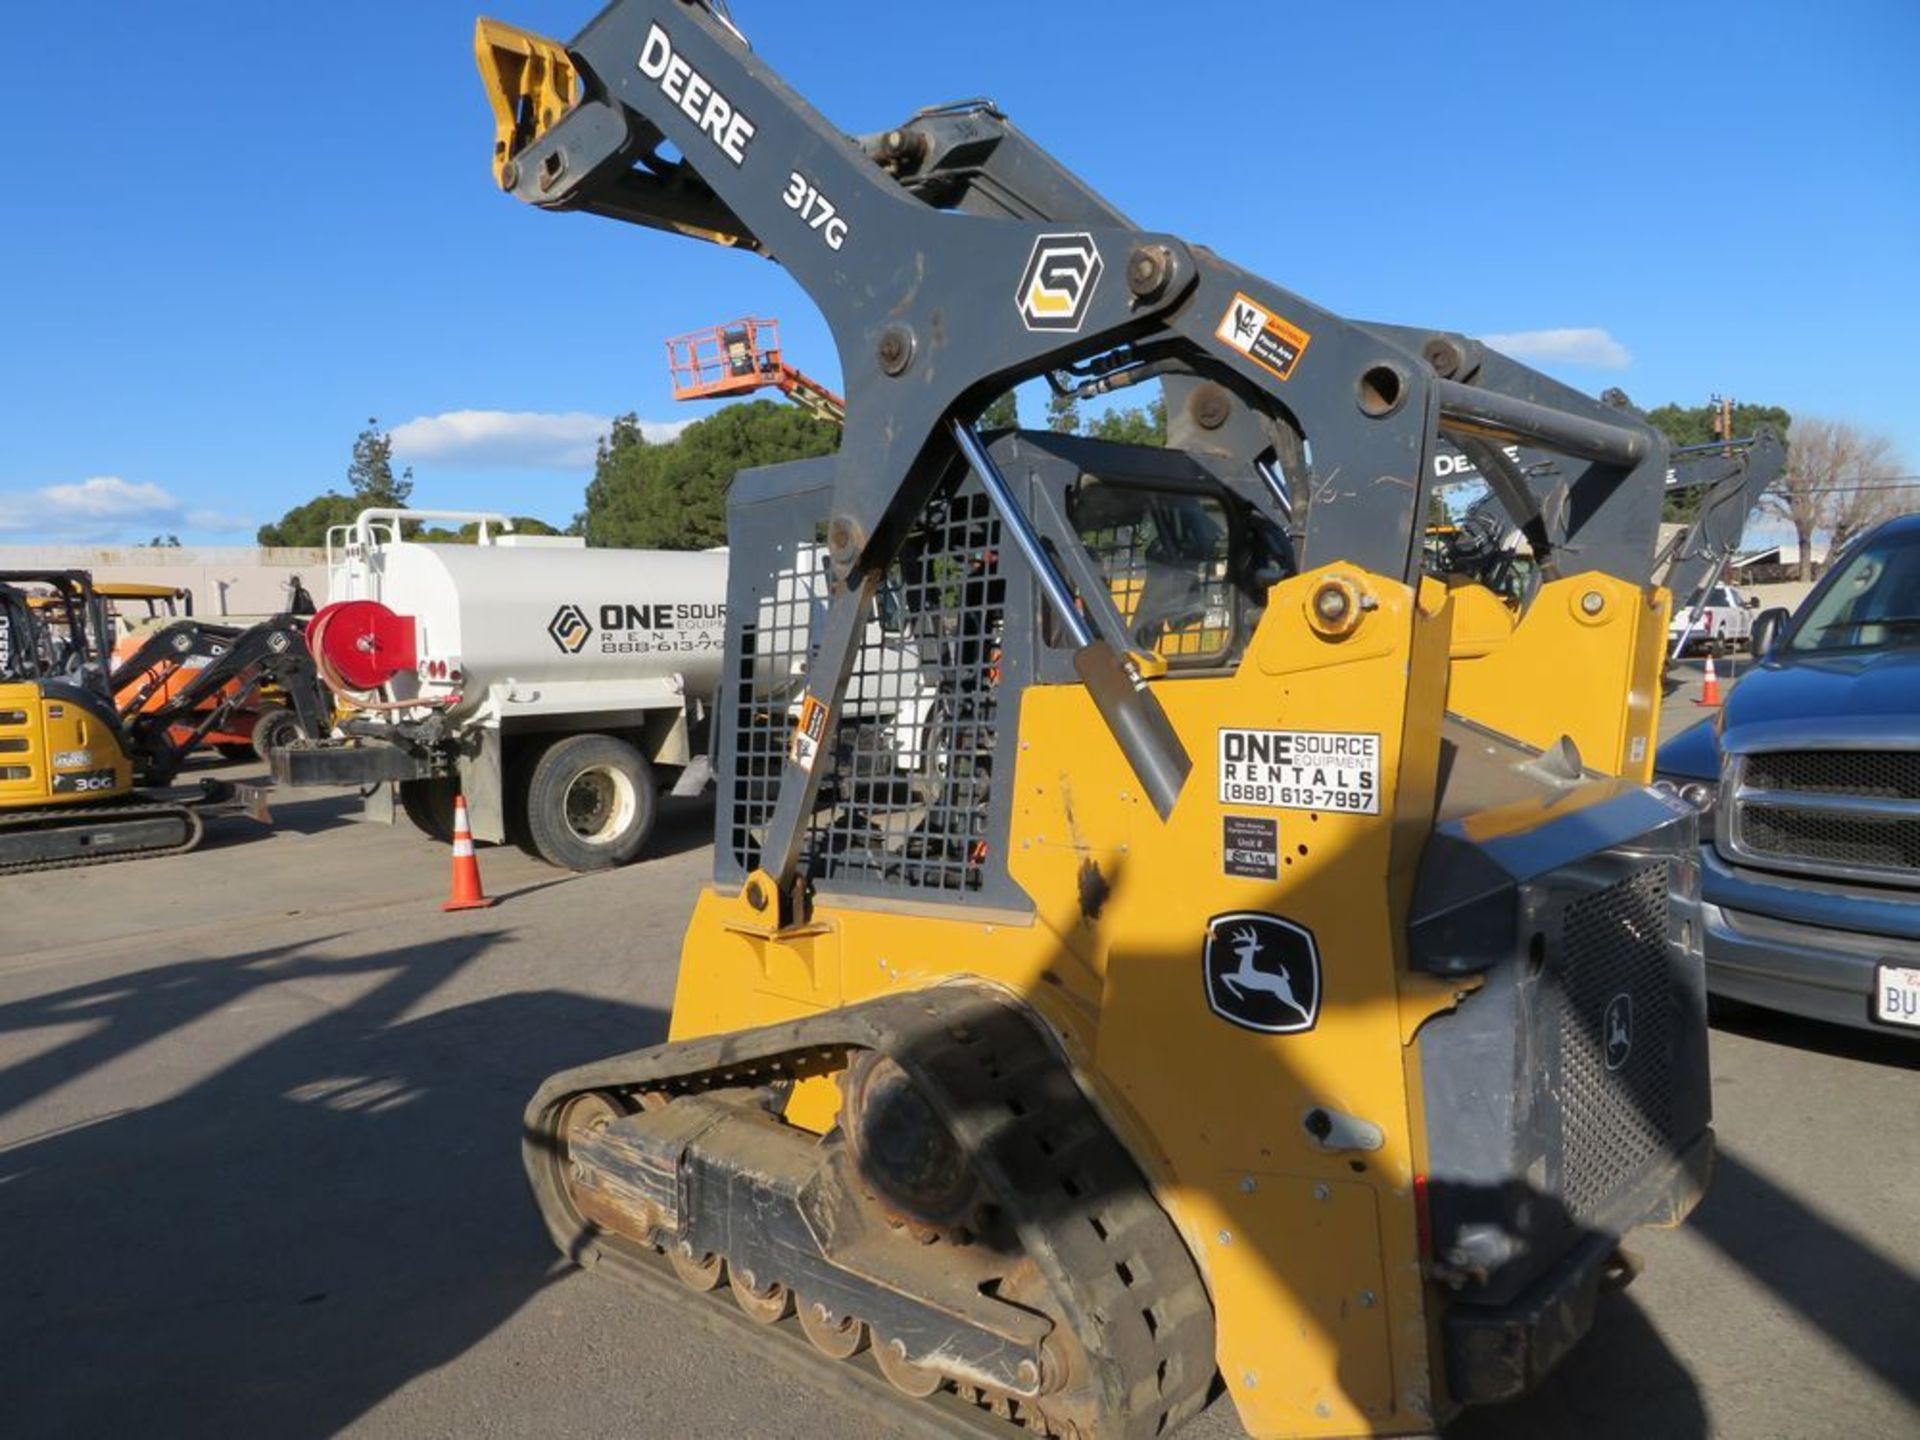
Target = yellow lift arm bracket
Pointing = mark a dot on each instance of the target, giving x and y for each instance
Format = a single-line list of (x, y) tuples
[(531, 82)]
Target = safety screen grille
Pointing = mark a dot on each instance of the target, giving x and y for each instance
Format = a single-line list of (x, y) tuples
[(1616, 1038), (1891, 774), (904, 791)]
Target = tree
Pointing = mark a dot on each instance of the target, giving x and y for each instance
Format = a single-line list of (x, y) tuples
[(1838, 483), (373, 484), (673, 496), (307, 525), (1002, 414), (160, 542), (469, 533), (1138, 425), (370, 473), (1063, 414), (1699, 425)]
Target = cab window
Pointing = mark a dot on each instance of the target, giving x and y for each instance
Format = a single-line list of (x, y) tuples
[(1167, 559)]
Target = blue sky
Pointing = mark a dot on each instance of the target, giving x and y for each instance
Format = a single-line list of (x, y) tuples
[(237, 230)]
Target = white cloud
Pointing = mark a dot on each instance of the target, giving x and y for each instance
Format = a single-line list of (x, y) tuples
[(513, 439), (1592, 348), (106, 508), (108, 497)]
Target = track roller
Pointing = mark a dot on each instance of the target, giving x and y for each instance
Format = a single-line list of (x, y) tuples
[(838, 1337)]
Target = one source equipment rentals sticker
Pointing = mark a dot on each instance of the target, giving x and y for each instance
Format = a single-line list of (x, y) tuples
[(1330, 770)]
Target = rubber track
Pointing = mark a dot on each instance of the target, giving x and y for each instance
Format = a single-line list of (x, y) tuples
[(26, 819), (1119, 1274)]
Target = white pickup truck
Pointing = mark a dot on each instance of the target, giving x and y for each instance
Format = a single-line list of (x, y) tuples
[(1725, 621)]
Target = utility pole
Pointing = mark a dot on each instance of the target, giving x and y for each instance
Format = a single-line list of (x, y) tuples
[(1723, 421)]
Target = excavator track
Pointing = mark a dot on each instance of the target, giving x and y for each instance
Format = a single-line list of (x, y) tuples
[(1027, 1273), (68, 839)]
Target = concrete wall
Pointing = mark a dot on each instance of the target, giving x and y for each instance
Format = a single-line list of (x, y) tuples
[(225, 579)]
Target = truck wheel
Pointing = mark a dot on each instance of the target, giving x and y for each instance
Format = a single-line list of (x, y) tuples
[(590, 803), (429, 805), (273, 729)]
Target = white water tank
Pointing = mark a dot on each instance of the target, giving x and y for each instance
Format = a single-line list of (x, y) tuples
[(537, 623)]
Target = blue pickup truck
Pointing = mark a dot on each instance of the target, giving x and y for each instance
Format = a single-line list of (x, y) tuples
[(1808, 786)]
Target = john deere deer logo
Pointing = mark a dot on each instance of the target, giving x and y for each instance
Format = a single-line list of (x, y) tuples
[(1262, 972), (1618, 1030), (1056, 288)]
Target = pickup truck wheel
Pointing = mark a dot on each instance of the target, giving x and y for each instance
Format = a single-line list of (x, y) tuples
[(274, 728), (429, 805), (590, 803)]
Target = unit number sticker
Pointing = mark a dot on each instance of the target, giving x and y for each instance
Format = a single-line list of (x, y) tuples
[(1333, 770)]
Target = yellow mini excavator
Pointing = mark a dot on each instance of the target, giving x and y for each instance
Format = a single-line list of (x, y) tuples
[(1194, 947), (79, 734)]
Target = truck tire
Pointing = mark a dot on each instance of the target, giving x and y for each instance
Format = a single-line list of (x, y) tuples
[(429, 805), (591, 802), (273, 728)]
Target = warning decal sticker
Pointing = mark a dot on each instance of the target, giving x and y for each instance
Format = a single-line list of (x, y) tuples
[(1301, 770), (808, 733), (1250, 846), (1262, 336)]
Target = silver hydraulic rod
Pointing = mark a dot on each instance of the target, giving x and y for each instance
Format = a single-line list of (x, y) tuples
[(1026, 539), (1277, 485), (1695, 609), (1132, 711)]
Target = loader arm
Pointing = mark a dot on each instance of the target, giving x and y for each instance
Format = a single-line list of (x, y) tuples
[(901, 280), (1736, 476), (273, 652)]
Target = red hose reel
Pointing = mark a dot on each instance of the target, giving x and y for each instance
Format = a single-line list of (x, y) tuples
[(361, 644)]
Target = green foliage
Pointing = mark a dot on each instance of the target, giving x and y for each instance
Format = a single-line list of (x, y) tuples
[(373, 485), (1695, 425), (469, 533), (1138, 425), (673, 496), (1002, 414), (1128, 425), (307, 524), (370, 473)]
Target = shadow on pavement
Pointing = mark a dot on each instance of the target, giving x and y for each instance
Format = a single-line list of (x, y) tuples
[(1864, 1303), (1842, 1042), (1621, 1380), (287, 1242)]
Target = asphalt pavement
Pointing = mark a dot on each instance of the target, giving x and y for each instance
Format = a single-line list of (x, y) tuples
[(259, 1175)]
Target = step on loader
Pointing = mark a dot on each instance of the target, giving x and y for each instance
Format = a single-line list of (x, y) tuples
[(1247, 961)]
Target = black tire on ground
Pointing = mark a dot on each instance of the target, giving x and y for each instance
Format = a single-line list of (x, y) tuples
[(273, 728), (429, 805), (591, 802), (235, 751)]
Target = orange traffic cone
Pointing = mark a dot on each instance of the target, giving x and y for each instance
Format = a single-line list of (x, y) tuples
[(1710, 692), (467, 894)]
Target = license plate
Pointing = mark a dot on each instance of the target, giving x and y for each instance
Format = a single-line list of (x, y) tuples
[(1896, 995)]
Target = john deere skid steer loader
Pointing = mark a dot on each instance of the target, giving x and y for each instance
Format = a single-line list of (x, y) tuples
[(1234, 954)]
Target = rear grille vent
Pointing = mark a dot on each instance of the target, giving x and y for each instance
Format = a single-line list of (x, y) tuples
[(1616, 1038), (1894, 774)]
